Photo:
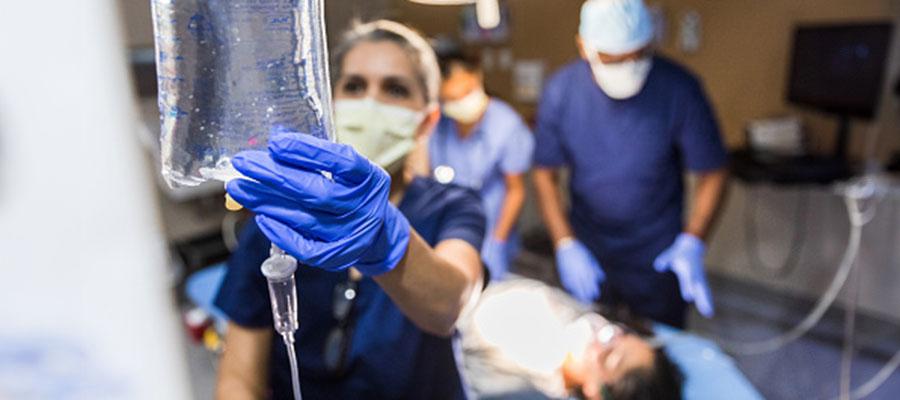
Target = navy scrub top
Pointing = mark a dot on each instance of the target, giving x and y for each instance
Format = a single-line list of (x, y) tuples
[(389, 357), (627, 157)]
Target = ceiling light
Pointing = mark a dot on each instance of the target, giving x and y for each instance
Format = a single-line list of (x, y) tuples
[(444, 2), (487, 11)]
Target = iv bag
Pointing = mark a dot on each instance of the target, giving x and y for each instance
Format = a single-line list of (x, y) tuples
[(231, 71)]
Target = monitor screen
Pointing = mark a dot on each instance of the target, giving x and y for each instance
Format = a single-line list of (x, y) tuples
[(840, 68)]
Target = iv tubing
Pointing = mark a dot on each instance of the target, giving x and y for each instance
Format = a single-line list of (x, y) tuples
[(846, 383), (870, 189), (879, 379), (295, 371), (866, 389), (858, 219)]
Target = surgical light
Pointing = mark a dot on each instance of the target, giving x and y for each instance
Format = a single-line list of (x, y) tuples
[(487, 11)]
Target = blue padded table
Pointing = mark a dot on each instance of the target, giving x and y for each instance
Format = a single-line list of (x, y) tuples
[(201, 288), (709, 373)]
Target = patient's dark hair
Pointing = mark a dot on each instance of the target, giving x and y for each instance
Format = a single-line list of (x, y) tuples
[(662, 381)]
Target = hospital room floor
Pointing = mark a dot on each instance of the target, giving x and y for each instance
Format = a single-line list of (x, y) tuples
[(806, 369)]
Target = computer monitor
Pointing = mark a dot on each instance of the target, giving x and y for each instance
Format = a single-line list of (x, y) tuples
[(840, 69)]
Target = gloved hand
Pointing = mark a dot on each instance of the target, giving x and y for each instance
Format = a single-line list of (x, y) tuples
[(579, 271), (333, 224), (685, 259), (495, 257)]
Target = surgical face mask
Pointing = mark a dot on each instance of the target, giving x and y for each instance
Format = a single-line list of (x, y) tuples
[(469, 109), (621, 80), (381, 132)]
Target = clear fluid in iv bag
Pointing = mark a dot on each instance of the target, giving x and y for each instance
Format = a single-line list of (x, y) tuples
[(231, 71)]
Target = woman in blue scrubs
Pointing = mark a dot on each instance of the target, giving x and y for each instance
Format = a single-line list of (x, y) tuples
[(482, 143), (628, 124), (389, 261)]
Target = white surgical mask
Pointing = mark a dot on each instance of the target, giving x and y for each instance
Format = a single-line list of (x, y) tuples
[(468, 109), (621, 80), (381, 132)]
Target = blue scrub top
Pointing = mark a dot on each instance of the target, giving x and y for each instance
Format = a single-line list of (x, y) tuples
[(500, 144), (389, 357), (627, 157)]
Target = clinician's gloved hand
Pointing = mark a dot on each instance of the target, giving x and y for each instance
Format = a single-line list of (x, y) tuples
[(333, 224), (685, 259), (579, 271), (496, 258)]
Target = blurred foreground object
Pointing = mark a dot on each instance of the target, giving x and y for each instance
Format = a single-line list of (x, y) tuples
[(87, 308)]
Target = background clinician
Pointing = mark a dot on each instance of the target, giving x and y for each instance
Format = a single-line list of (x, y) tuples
[(388, 265), (482, 143), (628, 123)]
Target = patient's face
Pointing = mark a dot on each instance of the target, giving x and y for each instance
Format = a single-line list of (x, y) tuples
[(625, 354), (607, 364)]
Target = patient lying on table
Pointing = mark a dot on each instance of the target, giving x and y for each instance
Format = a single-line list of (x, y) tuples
[(528, 340)]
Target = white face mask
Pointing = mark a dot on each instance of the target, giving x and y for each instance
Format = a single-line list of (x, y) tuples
[(620, 80), (381, 132), (469, 109)]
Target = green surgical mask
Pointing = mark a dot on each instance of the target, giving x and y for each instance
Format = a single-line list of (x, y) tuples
[(383, 133)]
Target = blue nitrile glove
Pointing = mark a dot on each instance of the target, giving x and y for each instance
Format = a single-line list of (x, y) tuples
[(496, 258), (579, 271), (685, 259), (332, 224)]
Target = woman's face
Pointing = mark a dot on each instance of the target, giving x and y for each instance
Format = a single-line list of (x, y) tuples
[(383, 71)]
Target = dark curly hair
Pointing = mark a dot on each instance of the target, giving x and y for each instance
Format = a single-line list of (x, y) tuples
[(661, 381)]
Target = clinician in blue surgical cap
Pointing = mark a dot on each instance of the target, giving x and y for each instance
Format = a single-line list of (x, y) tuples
[(628, 123)]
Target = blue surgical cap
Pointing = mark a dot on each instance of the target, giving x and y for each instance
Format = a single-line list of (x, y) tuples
[(615, 26)]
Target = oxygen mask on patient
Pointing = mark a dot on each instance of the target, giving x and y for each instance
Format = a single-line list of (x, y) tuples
[(613, 351), (590, 331)]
